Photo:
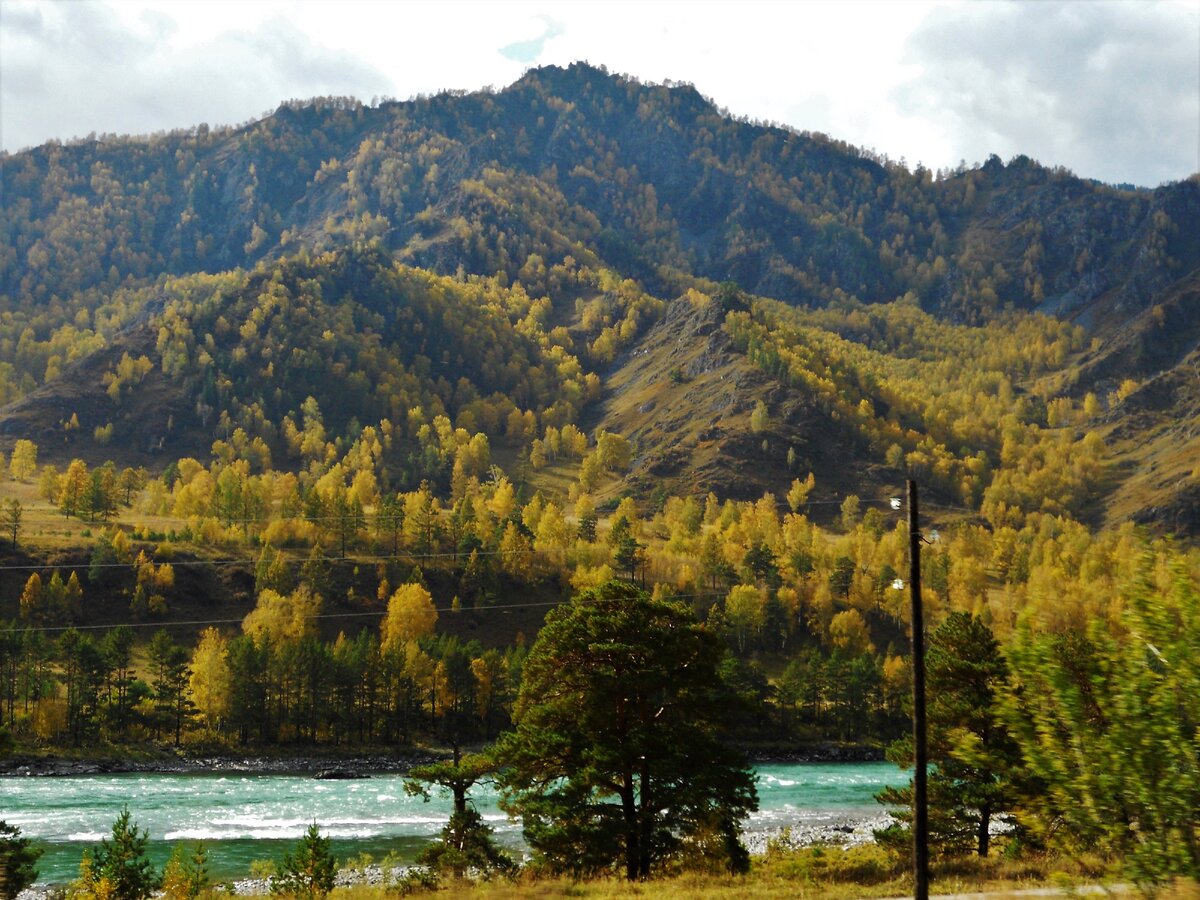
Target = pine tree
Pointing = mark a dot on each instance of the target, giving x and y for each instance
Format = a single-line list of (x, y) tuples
[(18, 861), (975, 757), (466, 841), (124, 862), (173, 705), (306, 874), (619, 756)]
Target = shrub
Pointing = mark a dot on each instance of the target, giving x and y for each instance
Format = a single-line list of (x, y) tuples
[(186, 875), (308, 874)]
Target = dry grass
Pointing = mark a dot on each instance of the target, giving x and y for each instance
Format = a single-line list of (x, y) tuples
[(1150, 466), (43, 525), (822, 874)]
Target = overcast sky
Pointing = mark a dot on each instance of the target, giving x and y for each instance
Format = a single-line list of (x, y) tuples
[(1109, 89)]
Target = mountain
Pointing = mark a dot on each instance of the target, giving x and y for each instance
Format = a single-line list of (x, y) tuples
[(653, 181), (551, 251)]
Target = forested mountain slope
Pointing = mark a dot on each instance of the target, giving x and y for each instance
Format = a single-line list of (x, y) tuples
[(652, 180), (341, 402), (570, 208)]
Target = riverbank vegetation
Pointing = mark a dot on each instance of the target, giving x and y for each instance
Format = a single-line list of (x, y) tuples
[(825, 872), (1076, 744), (397, 642)]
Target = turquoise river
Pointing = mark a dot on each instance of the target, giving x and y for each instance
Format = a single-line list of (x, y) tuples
[(246, 817)]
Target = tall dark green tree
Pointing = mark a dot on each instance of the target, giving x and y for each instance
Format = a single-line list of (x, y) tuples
[(346, 518), (117, 647), (587, 526), (627, 552), (389, 522), (619, 755), (316, 572), (18, 861), (12, 652), (99, 497), (760, 565), (84, 671), (249, 712), (173, 705), (976, 759)]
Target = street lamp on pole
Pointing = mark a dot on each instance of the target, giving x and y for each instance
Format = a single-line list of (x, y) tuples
[(920, 748)]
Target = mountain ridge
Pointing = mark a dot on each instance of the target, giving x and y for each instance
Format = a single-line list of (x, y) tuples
[(581, 205)]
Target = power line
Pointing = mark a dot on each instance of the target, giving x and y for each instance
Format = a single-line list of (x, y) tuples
[(342, 615), (368, 519), (300, 561), (289, 560)]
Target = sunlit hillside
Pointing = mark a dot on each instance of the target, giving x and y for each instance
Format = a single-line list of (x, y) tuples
[(308, 424)]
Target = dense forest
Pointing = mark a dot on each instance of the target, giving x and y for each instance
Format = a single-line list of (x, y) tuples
[(309, 422)]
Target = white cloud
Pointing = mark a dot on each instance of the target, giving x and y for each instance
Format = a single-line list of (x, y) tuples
[(74, 68), (528, 51), (1110, 89)]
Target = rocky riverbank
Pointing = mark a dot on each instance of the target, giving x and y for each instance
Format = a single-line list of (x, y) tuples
[(843, 831), (816, 753), (343, 766), (372, 875), (318, 766)]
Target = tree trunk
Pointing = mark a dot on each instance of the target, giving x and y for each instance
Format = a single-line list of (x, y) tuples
[(984, 836), (632, 844), (645, 822)]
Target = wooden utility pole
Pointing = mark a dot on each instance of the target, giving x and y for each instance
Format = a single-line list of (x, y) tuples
[(920, 823)]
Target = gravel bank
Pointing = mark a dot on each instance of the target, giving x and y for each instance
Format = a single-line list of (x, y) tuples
[(302, 765), (841, 832)]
